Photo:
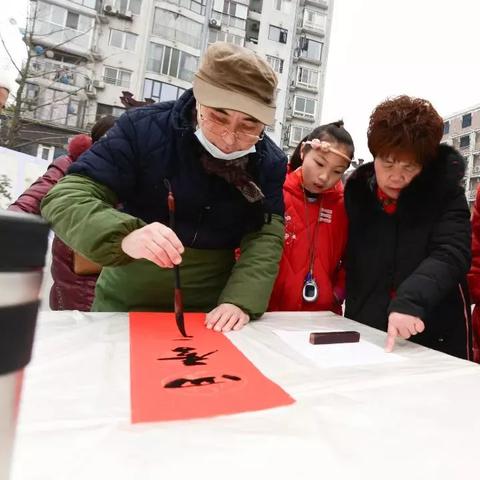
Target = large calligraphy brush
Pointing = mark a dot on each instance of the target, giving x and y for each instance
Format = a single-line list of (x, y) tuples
[(178, 300)]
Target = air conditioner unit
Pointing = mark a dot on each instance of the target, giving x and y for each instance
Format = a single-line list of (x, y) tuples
[(99, 84), (125, 15), (214, 23), (108, 8)]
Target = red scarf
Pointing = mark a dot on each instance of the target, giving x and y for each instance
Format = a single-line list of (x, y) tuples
[(388, 204)]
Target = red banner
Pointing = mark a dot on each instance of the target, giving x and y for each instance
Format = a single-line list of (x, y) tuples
[(175, 378)]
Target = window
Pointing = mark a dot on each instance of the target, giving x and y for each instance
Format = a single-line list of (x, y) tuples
[(197, 6), (72, 20), (465, 141), (467, 120), (221, 36), (314, 20), (177, 28), (310, 49), (124, 6), (276, 63), (476, 163), (304, 107), (59, 107), (229, 7), (232, 14), (446, 128), (45, 152), (297, 134), (61, 26), (32, 91), (307, 77), (86, 3), (172, 62), (123, 40), (117, 76), (160, 91), (283, 5), (277, 34), (103, 110)]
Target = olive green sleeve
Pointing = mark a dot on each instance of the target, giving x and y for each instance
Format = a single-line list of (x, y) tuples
[(82, 214), (252, 278)]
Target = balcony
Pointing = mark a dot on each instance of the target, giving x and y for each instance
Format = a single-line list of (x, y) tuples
[(176, 35), (228, 20), (308, 117), (312, 28), (307, 87), (63, 38), (62, 76), (254, 16), (317, 3)]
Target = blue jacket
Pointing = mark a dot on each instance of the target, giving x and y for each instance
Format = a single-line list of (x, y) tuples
[(155, 142)]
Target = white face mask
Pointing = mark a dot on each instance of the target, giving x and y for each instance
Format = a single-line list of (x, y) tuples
[(214, 151)]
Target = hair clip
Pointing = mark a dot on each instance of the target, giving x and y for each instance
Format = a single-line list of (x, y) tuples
[(326, 147)]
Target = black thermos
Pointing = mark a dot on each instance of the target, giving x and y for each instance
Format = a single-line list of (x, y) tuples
[(23, 245)]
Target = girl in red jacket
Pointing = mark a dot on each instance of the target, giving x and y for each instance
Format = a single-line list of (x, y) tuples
[(310, 275)]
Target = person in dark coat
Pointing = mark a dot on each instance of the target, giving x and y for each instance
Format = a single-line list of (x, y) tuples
[(208, 150), (408, 250), (70, 291)]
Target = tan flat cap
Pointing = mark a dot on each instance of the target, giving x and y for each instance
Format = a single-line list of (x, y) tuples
[(236, 78)]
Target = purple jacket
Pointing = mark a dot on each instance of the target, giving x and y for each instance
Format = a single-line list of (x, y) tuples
[(69, 291)]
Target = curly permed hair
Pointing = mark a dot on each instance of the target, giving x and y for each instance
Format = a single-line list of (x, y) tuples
[(405, 124)]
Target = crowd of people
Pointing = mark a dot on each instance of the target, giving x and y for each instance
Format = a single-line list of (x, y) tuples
[(392, 248)]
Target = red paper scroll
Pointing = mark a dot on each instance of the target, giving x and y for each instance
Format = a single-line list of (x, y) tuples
[(173, 378)]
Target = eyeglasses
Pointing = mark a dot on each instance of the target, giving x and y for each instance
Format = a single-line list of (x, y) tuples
[(216, 126), (326, 147)]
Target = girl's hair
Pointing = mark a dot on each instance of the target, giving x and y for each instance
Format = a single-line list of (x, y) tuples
[(101, 127), (331, 132), (405, 124)]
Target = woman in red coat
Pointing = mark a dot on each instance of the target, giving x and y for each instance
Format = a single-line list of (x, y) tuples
[(474, 277), (310, 276), (69, 290)]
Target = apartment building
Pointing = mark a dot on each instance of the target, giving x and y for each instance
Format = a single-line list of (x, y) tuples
[(462, 130), (89, 51)]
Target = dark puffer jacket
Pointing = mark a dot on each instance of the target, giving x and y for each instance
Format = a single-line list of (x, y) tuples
[(157, 142), (130, 165), (69, 291), (416, 260)]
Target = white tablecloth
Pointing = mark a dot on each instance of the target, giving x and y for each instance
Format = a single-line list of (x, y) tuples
[(413, 419)]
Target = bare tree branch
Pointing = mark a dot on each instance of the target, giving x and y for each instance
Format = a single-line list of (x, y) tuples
[(9, 55)]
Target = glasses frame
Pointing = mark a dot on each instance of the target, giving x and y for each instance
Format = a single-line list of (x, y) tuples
[(247, 137)]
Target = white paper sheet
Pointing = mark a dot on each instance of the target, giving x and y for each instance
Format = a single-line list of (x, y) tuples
[(336, 355)]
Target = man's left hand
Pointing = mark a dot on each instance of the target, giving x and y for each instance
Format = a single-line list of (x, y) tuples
[(226, 317)]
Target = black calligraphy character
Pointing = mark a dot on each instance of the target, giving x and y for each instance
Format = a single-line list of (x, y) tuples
[(198, 382), (189, 356)]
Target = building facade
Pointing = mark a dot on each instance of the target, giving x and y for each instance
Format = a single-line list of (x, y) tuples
[(89, 51), (462, 130)]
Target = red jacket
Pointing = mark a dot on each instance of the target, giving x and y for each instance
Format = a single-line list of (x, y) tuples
[(330, 244), (69, 291), (474, 277)]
